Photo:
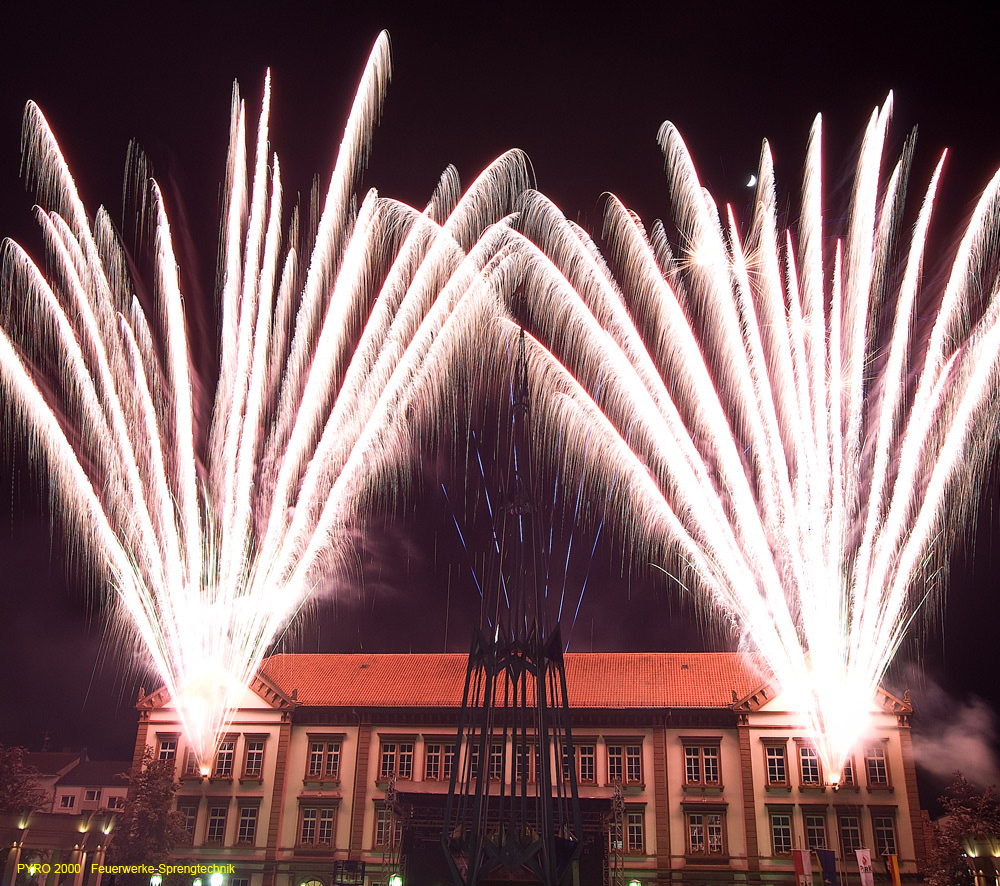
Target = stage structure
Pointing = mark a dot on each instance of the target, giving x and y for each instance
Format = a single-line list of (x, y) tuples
[(515, 711)]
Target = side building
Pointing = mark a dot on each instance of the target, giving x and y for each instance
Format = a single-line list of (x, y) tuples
[(336, 769)]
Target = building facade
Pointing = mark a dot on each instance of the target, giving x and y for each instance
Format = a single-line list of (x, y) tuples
[(690, 768)]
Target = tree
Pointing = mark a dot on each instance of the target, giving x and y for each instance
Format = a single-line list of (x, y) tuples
[(19, 787), (148, 828), (970, 817)]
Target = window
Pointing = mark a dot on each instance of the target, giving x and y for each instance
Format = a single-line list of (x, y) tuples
[(522, 763), (324, 759), (397, 757), (239, 881), (777, 768), (625, 763), (217, 824), (885, 834), (586, 753), (384, 821), (496, 762), (448, 762), (67, 801), (189, 809), (190, 765), (474, 761), (224, 758), (815, 830), (566, 757), (701, 764), (92, 796), (166, 748), (432, 762), (809, 766), (316, 826), (705, 835), (247, 832), (876, 766), (850, 835), (781, 833), (847, 773), (253, 758), (634, 842), (116, 802)]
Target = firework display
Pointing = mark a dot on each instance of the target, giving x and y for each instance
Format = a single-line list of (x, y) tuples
[(768, 414), (213, 537)]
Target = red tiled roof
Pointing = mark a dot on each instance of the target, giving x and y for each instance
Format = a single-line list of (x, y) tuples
[(594, 680)]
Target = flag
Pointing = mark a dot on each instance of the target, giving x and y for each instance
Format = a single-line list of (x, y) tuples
[(802, 859), (892, 862), (865, 867), (828, 865)]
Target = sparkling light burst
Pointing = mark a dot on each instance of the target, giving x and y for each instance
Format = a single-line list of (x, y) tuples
[(213, 539), (774, 412)]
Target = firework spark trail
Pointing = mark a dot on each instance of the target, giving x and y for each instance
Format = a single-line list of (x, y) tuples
[(776, 425), (210, 553)]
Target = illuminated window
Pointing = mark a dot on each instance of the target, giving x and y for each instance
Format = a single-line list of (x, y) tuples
[(876, 766), (587, 755), (324, 759), (217, 824), (815, 831), (809, 766), (253, 758), (397, 757), (224, 758), (634, 831), (625, 763), (850, 835), (166, 747), (496, 762), (847, 773), (885, 834), (316, 826), (190, 764), (247, 831), (189, 809), (432, 762), (781, 833), (705, 833), (701, 764), (386, 827), (67, 801), (777, 766)]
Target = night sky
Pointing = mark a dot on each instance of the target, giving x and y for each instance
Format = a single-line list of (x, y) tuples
[(583, 94)]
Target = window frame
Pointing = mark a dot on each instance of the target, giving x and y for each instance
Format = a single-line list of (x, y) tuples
[(699, 745), (242, 808), (248, 740), (820, 814), (402, 747), (193, 805), (784, 812), (635, 814), (216, 765), (214, 806), (802, 747), (166, 746), (586, 749), (323, 811), (96, 798), (332, 750), (703, 812), (618, 749), (779, 745), (843, 815), (888, 815), (387, 824), (881, 756)]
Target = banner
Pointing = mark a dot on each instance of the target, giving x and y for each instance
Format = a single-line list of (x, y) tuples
[(892, 862), (828, 865), (802, 859), (865, 867)]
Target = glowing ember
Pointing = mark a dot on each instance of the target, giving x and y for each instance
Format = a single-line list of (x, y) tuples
[(211, 541), (775, 419)]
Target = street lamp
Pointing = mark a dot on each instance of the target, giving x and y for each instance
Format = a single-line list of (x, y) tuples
[(215, 879), (396, 880), (155, 880)]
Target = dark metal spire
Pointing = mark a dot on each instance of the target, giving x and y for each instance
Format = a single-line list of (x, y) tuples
[(513, 809)]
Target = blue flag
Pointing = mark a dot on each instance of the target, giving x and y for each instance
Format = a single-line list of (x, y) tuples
[(828, 865)]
